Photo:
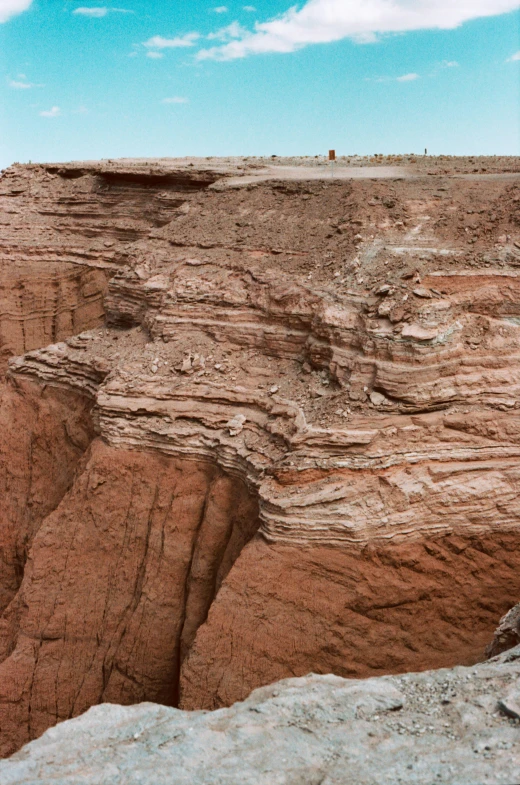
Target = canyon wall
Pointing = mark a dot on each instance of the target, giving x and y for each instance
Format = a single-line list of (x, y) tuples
[(283, 439)]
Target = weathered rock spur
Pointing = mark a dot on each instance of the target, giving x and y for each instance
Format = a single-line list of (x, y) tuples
[(507, 634), (292, 446)]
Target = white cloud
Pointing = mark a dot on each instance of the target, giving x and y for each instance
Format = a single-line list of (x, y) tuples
[(323, 21), (20, 85), (177, 99), (95, 13), (514, 58), (54, 112), (152, 55), (158, 42), (250, 8), (234, 30), (449, 64), (221, 9), (9, 8), (405, 78), (98, 12)]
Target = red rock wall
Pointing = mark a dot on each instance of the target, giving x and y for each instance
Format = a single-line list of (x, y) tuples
[(119, 577), (43, 434), (44, 302), (286, 611)]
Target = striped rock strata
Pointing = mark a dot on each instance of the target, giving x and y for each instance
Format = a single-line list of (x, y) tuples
[(64, 231), (272, 459)]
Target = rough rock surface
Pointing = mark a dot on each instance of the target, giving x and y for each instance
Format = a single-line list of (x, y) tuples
[(293, 446), (507, 634), (449, 726), (44, 434)]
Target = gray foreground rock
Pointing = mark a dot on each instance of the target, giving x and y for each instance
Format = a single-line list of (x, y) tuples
[(446, 726)]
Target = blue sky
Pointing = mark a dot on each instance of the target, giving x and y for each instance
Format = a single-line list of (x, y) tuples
[(175, 78)]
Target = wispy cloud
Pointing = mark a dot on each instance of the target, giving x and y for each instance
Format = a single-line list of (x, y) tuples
[(177, 99), (449, 64), (514, 58), (152, 55), (404, 78), (408, 78), (95, 13), (21, 84), (220, 9), (364, 21), (98, 12), (54, 112), (158, 42), (234, 30), (250, 8), (9, 8)]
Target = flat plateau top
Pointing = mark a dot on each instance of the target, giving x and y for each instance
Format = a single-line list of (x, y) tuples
[(234, 171)]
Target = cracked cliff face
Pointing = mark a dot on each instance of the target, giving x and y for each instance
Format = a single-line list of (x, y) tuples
[(131, 560), (292, 447), (44, 433)]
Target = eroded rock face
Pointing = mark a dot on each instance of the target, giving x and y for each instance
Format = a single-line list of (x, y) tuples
[(293, 446), (44, 434), (64, 232), (507, 634), (130, 560), (348, 611), (442, 726)]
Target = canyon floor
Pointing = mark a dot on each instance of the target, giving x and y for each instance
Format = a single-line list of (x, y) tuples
[(259, 418)]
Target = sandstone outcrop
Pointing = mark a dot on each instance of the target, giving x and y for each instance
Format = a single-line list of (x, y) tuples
[(507, 634), (448, 726), (292, 446), (44, 434), (64, 231)]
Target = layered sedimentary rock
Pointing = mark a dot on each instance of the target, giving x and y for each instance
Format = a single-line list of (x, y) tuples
[(64, 230), (446, 726), (293, 446)]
